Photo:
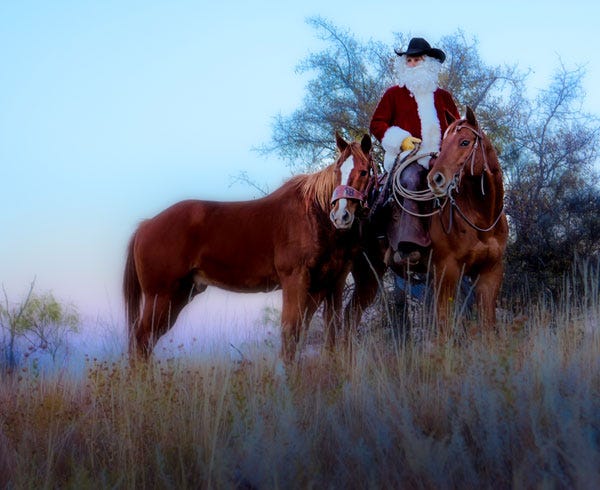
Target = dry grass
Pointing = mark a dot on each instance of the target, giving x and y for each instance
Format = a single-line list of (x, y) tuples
[(519, 410)]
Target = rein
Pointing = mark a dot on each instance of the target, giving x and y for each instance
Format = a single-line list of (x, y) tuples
[(471, 155), (468, 221)]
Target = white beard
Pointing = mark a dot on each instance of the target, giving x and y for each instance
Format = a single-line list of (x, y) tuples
[(419, 79), (422, 80)]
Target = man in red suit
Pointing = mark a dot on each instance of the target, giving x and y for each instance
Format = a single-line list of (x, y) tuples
[(412, 112)]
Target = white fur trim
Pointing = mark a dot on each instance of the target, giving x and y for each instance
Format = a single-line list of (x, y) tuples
[(424, 162), (392, 139), (431, 133), (388, 160)]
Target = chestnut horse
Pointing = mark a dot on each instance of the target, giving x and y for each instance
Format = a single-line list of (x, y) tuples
[(470, 232), (284, 240)]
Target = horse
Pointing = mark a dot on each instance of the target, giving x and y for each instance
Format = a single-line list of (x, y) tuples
[(468, 228), (469, 232), (301, 239)]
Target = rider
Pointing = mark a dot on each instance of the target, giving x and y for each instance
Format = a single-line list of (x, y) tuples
[(409, 113)]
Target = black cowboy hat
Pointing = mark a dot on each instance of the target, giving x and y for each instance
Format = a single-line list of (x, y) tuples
[(418, 46)]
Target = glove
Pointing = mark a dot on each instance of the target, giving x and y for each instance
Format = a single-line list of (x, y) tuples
[(409, 143)]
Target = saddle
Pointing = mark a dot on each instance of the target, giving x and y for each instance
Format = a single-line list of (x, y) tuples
[(407, 232)]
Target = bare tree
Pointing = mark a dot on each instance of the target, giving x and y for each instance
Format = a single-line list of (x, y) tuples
[(554, 199), (10, 326), (349, 79), (547, 146)]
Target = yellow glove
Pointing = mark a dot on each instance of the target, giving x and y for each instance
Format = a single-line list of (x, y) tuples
[(409, 143)]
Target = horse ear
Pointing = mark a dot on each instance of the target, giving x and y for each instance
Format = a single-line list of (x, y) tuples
[(471, 119), (365, 144), (449, 118), (341, 142)]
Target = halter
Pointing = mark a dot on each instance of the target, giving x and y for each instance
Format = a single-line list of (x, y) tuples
[(343, 191), (347, 192)]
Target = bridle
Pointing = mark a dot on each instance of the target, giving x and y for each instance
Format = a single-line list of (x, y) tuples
[(471, 156), (453, 186)]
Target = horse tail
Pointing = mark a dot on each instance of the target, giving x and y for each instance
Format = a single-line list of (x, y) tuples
[(132, 291)]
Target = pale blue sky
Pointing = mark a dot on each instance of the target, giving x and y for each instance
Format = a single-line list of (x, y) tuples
[(112, 110)]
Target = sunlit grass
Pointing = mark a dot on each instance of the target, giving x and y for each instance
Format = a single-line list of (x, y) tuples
[(519, 409)]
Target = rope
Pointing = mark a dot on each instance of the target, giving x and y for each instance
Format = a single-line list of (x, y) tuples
[(399, 192)]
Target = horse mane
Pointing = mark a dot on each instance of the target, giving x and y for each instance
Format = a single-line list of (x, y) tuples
[(492, 156), (317, 187)]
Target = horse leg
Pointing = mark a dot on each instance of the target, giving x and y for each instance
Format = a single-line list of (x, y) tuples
[(159, 315), (297, 310), (154, 313), (367, 273), (486, 293), (446, 282), (332, 317)]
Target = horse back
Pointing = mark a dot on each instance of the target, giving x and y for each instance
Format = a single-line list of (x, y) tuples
[(241, 246)]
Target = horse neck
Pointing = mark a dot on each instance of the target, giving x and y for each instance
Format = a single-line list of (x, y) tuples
[(485, 189)]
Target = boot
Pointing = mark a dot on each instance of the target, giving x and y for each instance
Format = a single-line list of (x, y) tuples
[(409, 235)]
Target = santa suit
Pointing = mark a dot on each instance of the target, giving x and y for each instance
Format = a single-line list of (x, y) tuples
[(400, 114)]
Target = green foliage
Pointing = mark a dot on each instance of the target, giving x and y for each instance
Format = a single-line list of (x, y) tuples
[(38, 323), (44, 312)]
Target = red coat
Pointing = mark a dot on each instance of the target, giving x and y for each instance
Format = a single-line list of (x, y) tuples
[(400, 114)]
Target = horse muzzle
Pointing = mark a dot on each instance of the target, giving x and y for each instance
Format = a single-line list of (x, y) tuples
[(438, 184), (341, 216)]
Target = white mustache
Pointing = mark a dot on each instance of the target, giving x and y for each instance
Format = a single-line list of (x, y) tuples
[(421, 78)]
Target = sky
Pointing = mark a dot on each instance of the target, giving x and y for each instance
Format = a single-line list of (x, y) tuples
[(112, 110)]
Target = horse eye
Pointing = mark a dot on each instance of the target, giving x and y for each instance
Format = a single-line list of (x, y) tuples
[(363, 173), (465, 143)]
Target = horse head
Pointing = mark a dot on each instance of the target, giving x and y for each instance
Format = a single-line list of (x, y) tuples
[(356, 170), (458, 155)]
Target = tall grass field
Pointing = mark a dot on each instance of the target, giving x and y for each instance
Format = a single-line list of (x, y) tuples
[(517, 409)]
